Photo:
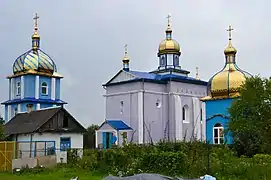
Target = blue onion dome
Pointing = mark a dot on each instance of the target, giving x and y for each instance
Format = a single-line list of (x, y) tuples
[(35, 60)]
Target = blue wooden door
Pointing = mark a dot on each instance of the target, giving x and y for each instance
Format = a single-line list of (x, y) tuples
[(104, 140), (65, 143), (107, 140)]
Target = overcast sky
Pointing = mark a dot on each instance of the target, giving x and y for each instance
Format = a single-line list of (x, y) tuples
[(86, 38)]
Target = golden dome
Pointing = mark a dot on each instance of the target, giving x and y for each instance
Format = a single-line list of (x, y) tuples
[(35, 36), (169, 45), (227, 82), (35, 61), (230, 49)]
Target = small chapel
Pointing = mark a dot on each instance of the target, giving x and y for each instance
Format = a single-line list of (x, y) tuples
[(223, 89), (35, 116), (160, 105)]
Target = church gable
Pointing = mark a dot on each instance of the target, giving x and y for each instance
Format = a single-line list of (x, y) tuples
[(122, 76)]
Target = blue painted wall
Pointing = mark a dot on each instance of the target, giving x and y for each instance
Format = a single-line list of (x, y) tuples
[(46, 105), (57, 88), (48, 81), (217, 107), (29, 86)]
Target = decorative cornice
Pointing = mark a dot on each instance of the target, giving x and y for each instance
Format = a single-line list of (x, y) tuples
[(215, 115)]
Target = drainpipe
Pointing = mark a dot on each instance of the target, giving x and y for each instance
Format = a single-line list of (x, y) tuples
[(169, 89), (143, 88), (31, 139)]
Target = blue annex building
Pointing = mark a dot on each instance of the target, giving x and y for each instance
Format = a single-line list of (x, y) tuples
[(35, 82), (223, 89)]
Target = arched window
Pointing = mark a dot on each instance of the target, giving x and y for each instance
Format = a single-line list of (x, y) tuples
[(18, 89), (218, 134), (185, 113), (44, 88)]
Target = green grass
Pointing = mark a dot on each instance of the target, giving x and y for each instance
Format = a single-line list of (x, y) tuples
[(60, 174)]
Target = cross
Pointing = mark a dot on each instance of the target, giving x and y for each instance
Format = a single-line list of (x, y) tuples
[(36, 20), (168, 19), (230, 29), (197, 73), (125, 48)]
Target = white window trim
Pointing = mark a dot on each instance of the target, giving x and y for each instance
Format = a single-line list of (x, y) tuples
[(18, 86), (42, 86), (218, 128)]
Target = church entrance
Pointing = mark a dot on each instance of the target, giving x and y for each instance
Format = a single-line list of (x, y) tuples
[(107, 140)]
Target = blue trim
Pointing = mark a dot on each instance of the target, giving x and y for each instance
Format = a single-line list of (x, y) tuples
[(57, 101), (157, 78), (117, 125)]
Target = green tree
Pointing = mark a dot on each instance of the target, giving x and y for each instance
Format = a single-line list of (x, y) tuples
[(250, 123), (89, 136)]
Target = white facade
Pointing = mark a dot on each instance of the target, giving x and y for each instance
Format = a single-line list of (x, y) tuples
[(155, 111)]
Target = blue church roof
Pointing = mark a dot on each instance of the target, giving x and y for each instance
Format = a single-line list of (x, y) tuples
[(159, 78), (118, 125)]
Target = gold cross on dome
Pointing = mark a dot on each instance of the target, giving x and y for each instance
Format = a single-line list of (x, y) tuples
[(230, 29), (168, 19), (36, 20), (125, 48), (197, 73)]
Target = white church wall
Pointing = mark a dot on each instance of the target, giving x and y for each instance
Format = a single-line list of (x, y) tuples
[(122, 88), (122, 104), (160, 121), (191, 126), (154, 109), (188, 89)]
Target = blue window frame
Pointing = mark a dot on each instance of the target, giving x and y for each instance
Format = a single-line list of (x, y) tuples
[(65, 143)]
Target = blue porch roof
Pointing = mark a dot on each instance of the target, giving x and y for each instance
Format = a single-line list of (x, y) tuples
[(117, 125)]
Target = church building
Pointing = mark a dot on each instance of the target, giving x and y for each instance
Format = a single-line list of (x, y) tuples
[(34, 113), (35, 83), (148, 107), (223, 89)]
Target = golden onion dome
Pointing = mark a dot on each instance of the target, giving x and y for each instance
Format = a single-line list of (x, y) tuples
[(35, 60), (227, 82), (230, 49), (169, 45)]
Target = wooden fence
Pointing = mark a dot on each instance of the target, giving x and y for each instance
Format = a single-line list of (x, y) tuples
[(7, 153)]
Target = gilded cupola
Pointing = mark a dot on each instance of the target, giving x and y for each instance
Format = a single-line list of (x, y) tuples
[(169, 45), (169, 50), (35, 61), (227, 82)]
